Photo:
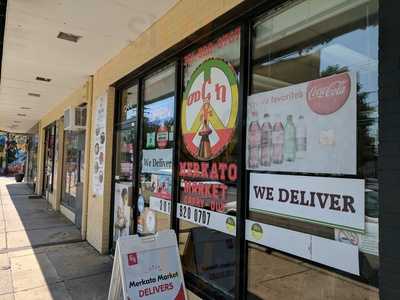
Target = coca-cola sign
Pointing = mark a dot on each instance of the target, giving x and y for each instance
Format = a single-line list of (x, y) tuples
[(308, 127), (327, 95)]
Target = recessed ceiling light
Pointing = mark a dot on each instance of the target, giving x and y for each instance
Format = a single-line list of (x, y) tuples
[(68, 37), (21, 115), (34, 94), (24, 107), (43, 79), (17, 122)]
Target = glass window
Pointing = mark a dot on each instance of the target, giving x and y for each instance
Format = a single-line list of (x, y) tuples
[(73, 169), (50, 139), (155, 177), (208, 165), (128, 104), (124, 164), (327, 47)]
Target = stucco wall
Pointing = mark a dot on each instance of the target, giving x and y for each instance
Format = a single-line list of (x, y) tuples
[(186, 17)]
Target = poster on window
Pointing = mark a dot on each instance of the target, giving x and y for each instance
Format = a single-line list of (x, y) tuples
[(309, 127), (158, 161), (122, 209), (333, 202), (158, 124), (312, 247), (99, 145)]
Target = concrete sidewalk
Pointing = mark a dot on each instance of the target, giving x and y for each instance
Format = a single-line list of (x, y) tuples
[(41, 255)]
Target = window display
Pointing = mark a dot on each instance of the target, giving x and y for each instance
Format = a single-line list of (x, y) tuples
[(321, 121), (155, 174), (73, 169), (50, 143), (124, 164), (208, 164)]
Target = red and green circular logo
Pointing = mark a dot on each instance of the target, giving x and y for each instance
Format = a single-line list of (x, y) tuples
[(209, 109)]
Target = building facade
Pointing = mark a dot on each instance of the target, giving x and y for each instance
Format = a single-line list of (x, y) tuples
[(262, 132)]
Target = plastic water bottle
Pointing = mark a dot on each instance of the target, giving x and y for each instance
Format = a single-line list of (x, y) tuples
[(301, 138), (266, 142), (290, 140), (278, 136), (254, 142)]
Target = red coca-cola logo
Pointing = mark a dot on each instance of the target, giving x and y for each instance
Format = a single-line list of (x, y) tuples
[(326, 95)]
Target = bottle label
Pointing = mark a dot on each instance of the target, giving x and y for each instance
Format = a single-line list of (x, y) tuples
[(301, 144), (277, 137)]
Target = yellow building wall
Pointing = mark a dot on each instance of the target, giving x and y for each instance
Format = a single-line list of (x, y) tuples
[(186, 17), (78, 97)]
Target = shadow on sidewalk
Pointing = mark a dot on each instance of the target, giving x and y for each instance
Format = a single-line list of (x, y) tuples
[(44, 255)]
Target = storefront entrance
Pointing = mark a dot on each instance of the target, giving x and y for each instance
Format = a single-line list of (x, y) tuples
[(73, 175), (258, 146)]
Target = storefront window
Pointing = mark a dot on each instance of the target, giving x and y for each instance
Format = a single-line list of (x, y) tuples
[(124, 163), (50, 139), (312, 150), (73, 170), (208, 165), (155, 179), (31, 173), (3, 152)]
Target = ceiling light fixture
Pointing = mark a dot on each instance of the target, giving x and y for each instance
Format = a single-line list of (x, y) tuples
[(34, 94), (25, 107), (68, 37), (21, 115), (39, 78)]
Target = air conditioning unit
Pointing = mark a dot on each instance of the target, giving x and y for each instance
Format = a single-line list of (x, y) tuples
[(75, 118)]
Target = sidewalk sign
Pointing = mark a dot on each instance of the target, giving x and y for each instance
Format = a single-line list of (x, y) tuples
[(147, 268)]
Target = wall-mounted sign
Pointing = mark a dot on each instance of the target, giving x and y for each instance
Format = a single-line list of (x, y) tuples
[(343, 257), (307, 127), (147, 268), (209, 109), (334, 202), (99, 145)]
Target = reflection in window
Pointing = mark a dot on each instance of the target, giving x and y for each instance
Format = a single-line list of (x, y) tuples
[(124, 164), (73, 169), (302, 42), (155, 179), (209, 143)]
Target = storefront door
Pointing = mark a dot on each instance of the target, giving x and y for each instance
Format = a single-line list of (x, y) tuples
[(73, 173)]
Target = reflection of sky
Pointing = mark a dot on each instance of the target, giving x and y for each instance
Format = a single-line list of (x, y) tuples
[(356, 51), (160, 111)]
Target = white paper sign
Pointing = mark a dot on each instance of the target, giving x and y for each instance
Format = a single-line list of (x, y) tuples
[(160, 205), (334, 202), (311, 247), (99, 145), (308, 127), (367, 242), (148, 268), (157, 161), (211, 219)]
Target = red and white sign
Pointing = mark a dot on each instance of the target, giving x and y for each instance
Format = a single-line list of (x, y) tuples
[(326, 95), (147, 268), (209, 109), (132, 259), (309, 127)]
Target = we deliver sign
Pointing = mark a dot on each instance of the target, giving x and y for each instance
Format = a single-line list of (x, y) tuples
[(334, 202)]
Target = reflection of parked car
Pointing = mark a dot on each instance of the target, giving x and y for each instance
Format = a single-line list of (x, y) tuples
[(371, 205)]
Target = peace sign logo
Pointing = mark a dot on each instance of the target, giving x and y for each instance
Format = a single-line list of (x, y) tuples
[(209, 109)]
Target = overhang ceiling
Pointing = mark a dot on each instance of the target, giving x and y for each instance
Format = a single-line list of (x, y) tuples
[(31, 48)]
